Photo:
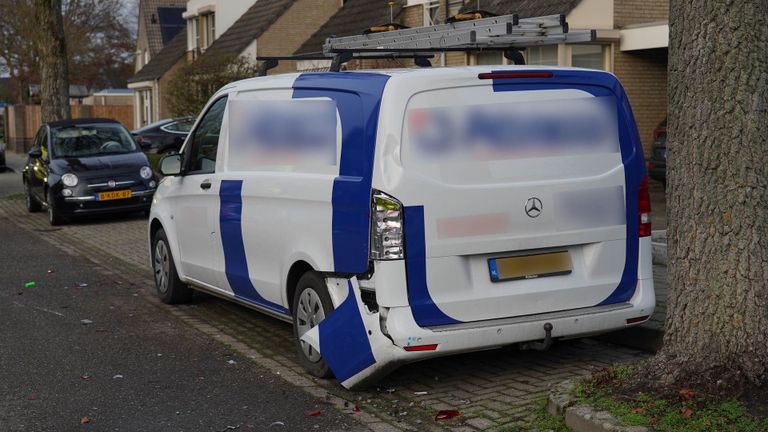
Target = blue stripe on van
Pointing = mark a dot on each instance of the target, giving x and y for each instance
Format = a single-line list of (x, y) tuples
[(604, 84), (235, 261), (358, 97), (425, 311), (344, 341)]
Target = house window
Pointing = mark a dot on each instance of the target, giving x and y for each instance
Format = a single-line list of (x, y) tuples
[(454, 6), (145, 104), (204, 30), (489, 58), (195, 35), (431, 9), (587, 56), (542, 55)]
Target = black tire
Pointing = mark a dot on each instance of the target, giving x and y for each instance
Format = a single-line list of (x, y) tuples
[(33, 205), (54, 215), (170, 288), (312, 284)]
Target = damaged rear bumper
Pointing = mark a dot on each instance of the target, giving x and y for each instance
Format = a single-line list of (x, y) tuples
[(360, 347)]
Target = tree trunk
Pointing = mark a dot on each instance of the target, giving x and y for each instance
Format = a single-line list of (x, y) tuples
[(52, 52), (717, 316)]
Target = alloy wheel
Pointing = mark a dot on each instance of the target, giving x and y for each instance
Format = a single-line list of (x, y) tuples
[(162, 266), (309, 314)]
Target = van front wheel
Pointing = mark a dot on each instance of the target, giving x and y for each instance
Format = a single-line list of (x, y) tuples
[(311, 304)]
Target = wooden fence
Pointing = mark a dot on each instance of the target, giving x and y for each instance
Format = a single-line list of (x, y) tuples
[(23, 121)]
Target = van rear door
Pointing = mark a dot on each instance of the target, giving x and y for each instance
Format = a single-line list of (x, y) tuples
[(520, 196)]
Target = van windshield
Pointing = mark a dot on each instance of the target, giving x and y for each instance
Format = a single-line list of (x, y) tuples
[(91, 140)]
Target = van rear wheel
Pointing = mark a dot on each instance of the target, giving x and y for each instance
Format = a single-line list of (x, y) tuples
[(311, 304)]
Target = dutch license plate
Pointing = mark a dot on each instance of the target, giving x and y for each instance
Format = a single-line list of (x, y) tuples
[(113, 195), (530, 266)]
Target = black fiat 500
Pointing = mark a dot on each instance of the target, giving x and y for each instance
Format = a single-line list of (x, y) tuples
[(86, 166)]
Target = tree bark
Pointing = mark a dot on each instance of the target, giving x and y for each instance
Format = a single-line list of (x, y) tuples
[(717, 316), (52, 52)]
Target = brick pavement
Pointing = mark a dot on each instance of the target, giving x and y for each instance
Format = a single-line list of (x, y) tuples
[(494, 390)]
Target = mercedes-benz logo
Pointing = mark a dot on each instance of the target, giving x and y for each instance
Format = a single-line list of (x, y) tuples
[(111, 183), (533, 207)]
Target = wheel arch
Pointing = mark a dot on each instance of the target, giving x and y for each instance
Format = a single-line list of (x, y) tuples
[(297, 270)]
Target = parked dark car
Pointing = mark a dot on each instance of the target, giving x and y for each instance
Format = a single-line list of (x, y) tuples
[(657, 164), (164, 136), (86, 166), (3, 166)]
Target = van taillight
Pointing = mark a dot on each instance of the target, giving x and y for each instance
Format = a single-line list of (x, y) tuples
[(509, 75), (644, 208), (386, 227)]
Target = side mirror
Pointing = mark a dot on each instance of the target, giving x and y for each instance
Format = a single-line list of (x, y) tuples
[(35, 153), (170, 165)]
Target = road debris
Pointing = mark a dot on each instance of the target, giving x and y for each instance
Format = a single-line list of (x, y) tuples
[(85, 377), (231, 361), (420, 393), (277, 423), (118, 376), (313, 413), (446, 414), (86, 321), (82, 284), (30, 284), (85, 420)]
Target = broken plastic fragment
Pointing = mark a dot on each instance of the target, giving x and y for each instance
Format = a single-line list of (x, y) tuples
[(277, 423), (420, 393), (118, 376), (356, 409), (85, 420), (313, 413), (86, 321), (446, 414), (85, 377), (231, 362), (82, 284), (29, 285)]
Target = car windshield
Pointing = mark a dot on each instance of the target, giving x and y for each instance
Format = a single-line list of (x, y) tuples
[(91, 140)]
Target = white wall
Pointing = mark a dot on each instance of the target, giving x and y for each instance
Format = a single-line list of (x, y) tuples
[(227, 12), (592, 14)]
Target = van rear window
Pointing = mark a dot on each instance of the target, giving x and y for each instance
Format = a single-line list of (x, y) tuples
[(510, 125)]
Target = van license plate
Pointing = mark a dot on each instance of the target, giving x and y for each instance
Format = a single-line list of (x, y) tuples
[(113, 195), (530, 266)]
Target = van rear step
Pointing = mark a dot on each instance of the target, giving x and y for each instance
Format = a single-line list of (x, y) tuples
[(531, 318)]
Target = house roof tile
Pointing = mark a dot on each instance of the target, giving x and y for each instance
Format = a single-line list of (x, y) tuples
[(164, 60)]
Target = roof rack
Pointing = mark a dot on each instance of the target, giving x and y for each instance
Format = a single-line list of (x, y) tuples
[(507, 33)]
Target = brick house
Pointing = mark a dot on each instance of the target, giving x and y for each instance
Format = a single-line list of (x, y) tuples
[(273, 28), (161, 28), (632, 38)]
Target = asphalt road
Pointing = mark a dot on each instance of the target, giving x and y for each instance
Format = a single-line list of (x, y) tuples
[(130, 366), (10, 180)]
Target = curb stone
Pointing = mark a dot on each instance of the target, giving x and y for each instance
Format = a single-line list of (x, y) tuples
[(586, 419), (659, 247), (582, 418), (560, 398)]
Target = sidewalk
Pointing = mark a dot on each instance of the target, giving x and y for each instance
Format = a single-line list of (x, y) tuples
[(10, 180)]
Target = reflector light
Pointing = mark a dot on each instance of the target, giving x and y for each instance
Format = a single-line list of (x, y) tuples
[(512, 75), (644, 208), (431, 347), (637, 319)]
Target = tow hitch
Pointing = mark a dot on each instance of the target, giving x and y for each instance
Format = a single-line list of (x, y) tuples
[(542, 345)]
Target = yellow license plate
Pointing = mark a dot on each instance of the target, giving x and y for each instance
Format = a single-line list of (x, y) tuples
[(530, 266), (113, 195)]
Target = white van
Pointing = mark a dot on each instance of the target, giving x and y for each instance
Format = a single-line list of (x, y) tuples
[(398, 215)]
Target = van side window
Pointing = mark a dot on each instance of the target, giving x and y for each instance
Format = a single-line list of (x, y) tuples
[(205, 141)]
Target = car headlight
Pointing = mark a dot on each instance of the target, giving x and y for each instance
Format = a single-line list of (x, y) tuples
[(69, 180), (146, 172)]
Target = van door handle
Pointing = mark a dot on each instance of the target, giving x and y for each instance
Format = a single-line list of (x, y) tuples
[(205, 185)]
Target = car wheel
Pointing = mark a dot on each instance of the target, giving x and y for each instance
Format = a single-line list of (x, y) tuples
[(54, 215), (311, 304), (33, 205), (170, 288)]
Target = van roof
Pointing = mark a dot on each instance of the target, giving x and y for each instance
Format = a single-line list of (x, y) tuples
[(446, 72)]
